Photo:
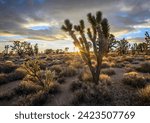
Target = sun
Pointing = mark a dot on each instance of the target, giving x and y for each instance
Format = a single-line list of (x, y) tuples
[(76, 49)]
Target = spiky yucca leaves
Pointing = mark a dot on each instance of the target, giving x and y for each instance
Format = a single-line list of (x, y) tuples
[(97, 34), (37, 76), (123, 46)]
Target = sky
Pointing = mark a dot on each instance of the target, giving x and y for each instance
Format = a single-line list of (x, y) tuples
[(39, 21)]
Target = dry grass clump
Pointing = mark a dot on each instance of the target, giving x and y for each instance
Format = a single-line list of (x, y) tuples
[(134, 79), (7, 67), (105, 79), (108, 71), (144, 94), (85, 76), (144, 67), (68, 72)]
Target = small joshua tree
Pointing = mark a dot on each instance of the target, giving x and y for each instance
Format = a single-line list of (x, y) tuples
[(97, 34), (34, 73), (66, 49), (123, 46), (134, 48), (111, 42), (36, 49), (6, 50), (18, 47), (22, 48), (147, 42)]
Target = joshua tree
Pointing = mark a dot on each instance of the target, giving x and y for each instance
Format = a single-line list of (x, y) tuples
[(97, 34), (123, 46), (18, 47), (147, 43), (6, 50), (111, 42), (34, 74), (22, 48), (66, 49), (134, 48), (49, 51), (36, 49)]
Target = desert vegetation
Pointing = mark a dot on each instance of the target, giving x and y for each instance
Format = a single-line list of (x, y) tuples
[(105, 71)]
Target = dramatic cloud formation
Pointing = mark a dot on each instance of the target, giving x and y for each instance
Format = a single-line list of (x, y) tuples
[(42, 19)]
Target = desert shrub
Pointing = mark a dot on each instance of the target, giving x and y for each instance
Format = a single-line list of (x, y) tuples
[(92, 95), (68, 72), (61, 80), (108, 71), (128, 58), (139, 58), (144, 67), (42, 64), (18, 74), (105, 79), (144, 94), (105, 65), (85, 76), (3, 78), (135, 62), (76, 64), (119, 65), (56, 68), (128, 69), (7, 95), (37, 79), (35, 99), (134, 79), (7, 67), (27, 87), (54, 88), (76, 85), (10, 77)]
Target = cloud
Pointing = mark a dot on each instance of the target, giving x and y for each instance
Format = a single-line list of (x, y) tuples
[(42, 19)]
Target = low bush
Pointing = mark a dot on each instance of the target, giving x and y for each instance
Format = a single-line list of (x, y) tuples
[(134, 79), (108, 71)]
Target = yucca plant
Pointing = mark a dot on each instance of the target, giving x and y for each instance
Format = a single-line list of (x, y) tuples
[(97, 34)]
